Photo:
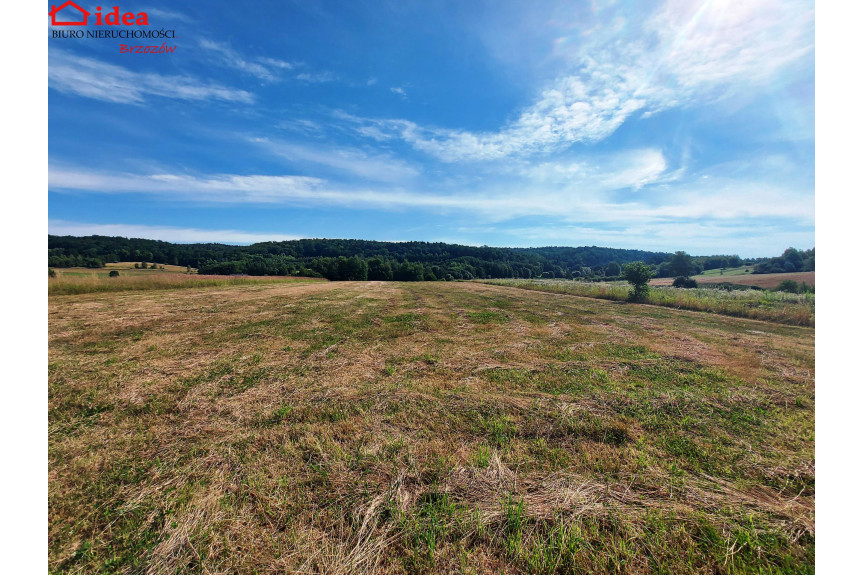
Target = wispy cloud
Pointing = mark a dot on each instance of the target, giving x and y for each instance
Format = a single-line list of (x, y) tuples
[(164, 233), (685, 53), (220, 188), (399, 90), (316, 77), (623, 170), (263, 68), (377, 167), (91, 78), (506, 199)]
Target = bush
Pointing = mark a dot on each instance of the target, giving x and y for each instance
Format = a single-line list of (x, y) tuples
[(638, 274), (113, 274), (789, 286), (684, 282), (51, 273)]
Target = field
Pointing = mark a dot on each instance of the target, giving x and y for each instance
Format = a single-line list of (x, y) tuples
[(742, 270), (130, 267), (125, 269), (766, 281), (792, 309), (71, 281), (426, 427)]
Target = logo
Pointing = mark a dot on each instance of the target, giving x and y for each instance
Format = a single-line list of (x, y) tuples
[(74, 15), (70, 13)]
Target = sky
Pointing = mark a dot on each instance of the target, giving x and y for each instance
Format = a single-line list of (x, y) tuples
[(680, 125)]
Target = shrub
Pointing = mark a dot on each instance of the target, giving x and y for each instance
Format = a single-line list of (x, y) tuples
[(684, 282), (638, 274), (113, 274), (789, 286), (51, 273)]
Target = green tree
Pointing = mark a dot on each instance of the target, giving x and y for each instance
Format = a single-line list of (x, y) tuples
[(681, 265), (793, 260), (638, 274), (612, 269), (380, 269)]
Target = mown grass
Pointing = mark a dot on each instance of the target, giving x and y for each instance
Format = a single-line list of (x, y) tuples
[(426, 427), (791, 309), (71, 283), (743, 270)]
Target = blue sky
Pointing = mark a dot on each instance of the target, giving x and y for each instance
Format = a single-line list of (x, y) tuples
[(668, 125)]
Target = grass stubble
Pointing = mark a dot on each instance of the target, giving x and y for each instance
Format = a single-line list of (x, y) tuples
[(408, 428)]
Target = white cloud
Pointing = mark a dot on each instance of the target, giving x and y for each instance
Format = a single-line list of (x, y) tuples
[(684, 53), (316, 77), (262, 68), (625, 170), (276, 63), (366, 165), (718, 41), (164, 233), (101, 81), (212, 188), (508, 198), (400, 91)]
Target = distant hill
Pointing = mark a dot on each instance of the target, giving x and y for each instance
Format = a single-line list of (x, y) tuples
[(349, 259)]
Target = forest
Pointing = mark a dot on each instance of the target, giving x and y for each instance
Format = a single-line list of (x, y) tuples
[(338, 259)]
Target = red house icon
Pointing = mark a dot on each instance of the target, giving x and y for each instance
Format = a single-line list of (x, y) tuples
[(55, 10)]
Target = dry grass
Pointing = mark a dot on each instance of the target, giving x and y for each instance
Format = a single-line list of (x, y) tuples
[(766, 281), (130, 266), (431, 427), (788, 308), (69, 282)]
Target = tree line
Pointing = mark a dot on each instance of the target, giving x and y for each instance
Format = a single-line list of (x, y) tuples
[(791, 260), (337, 259), (351, 259)]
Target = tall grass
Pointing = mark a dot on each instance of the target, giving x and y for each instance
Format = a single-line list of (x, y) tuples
[(67, 284), (780, 307)]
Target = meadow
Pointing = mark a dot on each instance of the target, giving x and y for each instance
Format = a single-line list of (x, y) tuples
[(451, 427), (739, 277), (70, 281), (788, 308)]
